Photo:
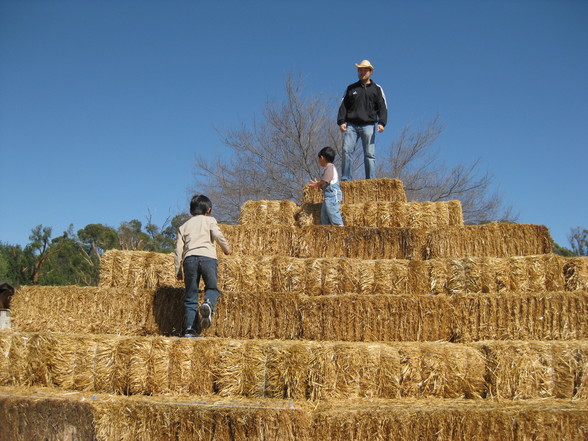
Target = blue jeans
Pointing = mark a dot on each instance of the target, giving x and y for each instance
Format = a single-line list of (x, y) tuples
[(330, 213), (368, 140), (196, 267)]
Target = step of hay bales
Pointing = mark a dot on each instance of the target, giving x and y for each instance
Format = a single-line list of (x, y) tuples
[(360, 191), (463, 318), (150, 311), (304, 370), (301, 370), (423, 215), (287, 315), (323, 276), (490, 240), (44, 413)]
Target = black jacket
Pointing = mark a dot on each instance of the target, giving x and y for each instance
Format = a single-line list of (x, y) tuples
[(363, 105)]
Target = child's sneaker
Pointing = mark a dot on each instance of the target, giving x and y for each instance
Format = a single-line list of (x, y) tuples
[(205, 315), (190, 333)]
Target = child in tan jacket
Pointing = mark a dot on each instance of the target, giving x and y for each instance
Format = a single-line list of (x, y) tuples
[(195, 257)]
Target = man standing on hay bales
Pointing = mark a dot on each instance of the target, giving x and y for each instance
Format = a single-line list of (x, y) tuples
[(363, 106), (195, 257)]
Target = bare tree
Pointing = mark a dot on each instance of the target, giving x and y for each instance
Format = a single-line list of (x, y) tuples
[(272, 159), (275, 158), (412, 159)]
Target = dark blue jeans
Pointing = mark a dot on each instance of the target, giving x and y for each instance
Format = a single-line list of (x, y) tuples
[(196, 267)]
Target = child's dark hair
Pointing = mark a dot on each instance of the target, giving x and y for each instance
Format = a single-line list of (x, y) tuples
[(200, 204), (328, 153)]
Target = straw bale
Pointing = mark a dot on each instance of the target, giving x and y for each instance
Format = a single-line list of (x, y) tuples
[(257, 315), (469, 317), (346, 370), (85, 363), (45, 414), (535, 369), (359, 191), (268, 213), (441, 369), (376, 318), (515, 274), (139, 269), (424, 215), (49, 416), (488, 240), (268, 240), (417, 370), (475, 420), (135, 311), (288, 275), (575, 273), (521, 316), (169, 419), (418, 280), (16, 357)]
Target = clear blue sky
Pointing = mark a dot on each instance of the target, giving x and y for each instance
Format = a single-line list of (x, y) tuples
[(104, 104)]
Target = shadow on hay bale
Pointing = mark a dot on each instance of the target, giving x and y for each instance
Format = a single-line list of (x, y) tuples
[(6, 293), (168, 310)]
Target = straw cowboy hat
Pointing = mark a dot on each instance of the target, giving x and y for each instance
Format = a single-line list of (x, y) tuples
[(365, 63)]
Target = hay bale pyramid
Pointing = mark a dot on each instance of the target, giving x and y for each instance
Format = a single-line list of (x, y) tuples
[(405, 324)]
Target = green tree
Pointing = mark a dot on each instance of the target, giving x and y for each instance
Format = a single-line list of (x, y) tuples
[(168, 233), (562, 251), (578, 238), (131, 236), (15, 264), (40, 247), (97, 238), (153, 238), (71, 264)]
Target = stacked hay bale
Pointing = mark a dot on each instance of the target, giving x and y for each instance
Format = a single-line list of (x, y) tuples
[(408, 325)]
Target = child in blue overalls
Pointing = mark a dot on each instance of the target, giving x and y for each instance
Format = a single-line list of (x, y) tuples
[(329, 182)]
